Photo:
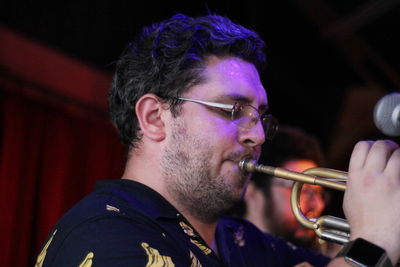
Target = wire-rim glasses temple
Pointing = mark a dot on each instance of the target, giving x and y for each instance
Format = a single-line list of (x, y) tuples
[(244, 115)]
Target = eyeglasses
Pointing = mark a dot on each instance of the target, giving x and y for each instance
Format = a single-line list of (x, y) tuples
[(244, 115)]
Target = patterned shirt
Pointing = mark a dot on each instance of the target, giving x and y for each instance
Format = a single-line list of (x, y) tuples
[(125, 223)]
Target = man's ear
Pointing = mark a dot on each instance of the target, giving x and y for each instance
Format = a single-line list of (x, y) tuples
[(149, 109)]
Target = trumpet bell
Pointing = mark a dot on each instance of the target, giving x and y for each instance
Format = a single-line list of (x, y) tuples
[(329, 228)]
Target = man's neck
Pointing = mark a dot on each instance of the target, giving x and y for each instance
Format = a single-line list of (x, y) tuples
[(205, 230), (148, 175)]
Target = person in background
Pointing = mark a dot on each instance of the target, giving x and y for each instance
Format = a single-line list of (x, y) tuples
[(267, 200)]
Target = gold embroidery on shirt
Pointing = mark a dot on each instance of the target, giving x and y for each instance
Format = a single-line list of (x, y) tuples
[(155, 259), (195, 260), (42, 255), (203, 248), (112, 208), (87, 262), (187, 229)]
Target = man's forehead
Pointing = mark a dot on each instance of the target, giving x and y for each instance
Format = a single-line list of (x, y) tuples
[(233, 79)]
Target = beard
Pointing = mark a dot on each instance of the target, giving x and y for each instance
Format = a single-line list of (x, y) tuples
[(187, 164)]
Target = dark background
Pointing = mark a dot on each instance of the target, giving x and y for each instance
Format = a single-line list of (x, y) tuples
[(329, 61), (317, 49)]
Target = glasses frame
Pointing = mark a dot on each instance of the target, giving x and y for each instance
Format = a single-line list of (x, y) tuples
[(264, 118)]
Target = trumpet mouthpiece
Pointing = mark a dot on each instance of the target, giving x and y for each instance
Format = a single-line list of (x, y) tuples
[(246, 165)]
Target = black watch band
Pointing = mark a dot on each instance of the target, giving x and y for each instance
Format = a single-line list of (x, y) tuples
[(360, 252)]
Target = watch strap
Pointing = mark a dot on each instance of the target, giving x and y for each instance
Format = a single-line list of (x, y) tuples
[(361, 252)]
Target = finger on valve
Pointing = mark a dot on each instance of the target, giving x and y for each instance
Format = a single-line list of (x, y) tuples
[(372, 191)]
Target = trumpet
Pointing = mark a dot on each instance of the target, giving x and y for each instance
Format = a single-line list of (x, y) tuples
[(329, 228)]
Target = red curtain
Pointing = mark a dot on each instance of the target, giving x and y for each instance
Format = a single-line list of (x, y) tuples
[(53, 148), (49, 160)]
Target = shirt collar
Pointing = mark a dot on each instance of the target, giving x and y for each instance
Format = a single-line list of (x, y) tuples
[(141, 197)]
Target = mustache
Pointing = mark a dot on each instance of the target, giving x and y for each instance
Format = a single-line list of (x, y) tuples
[(238, 155)]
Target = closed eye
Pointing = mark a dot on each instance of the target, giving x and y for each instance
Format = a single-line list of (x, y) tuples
[(226, 112)]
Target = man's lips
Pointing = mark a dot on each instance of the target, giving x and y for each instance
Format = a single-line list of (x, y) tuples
[(243, 176), (236, 158)]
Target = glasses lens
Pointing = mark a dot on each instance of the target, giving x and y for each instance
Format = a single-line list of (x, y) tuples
[(244, 116), (237, 112), (271, 126), (247, 116)]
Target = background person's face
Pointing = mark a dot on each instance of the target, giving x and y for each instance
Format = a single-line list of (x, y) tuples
[(311, 202)]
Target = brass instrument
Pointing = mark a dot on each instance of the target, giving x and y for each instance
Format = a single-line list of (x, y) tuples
[(327, 227)]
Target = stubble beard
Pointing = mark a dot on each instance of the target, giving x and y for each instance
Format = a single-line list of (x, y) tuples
[(187, 170)]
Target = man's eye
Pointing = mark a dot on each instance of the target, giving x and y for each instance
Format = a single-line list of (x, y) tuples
[(237, 111), (226, 112)]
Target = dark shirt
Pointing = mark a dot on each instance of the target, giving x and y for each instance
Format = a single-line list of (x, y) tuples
[(125, 223)]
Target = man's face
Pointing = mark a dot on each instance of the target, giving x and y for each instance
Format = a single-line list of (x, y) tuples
[(311, 202), (200, 158)]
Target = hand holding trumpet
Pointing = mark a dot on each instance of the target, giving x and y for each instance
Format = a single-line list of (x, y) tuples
[(372, 198), (371, 201)]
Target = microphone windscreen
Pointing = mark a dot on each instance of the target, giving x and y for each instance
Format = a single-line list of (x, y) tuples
[(387, 114)]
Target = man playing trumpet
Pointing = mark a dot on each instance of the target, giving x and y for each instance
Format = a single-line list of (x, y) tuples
[(189, 104)]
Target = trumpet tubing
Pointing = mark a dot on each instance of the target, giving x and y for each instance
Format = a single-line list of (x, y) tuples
[(329, 228), (311, 176)]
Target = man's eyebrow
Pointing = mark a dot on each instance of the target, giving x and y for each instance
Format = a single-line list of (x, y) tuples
[(242, 99)]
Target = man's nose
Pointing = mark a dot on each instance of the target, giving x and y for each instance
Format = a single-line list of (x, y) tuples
[(253, 136)]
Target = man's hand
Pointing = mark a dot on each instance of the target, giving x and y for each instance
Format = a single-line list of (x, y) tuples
[(372, 198)]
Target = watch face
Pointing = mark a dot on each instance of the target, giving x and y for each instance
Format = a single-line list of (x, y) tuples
[(364, 253)]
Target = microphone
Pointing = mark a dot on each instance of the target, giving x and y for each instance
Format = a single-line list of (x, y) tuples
[(387, 114)]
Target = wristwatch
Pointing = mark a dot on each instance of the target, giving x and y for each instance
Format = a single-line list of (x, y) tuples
[(362, 253)]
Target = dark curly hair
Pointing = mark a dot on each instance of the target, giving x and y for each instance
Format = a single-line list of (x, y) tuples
[(168, 58)]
